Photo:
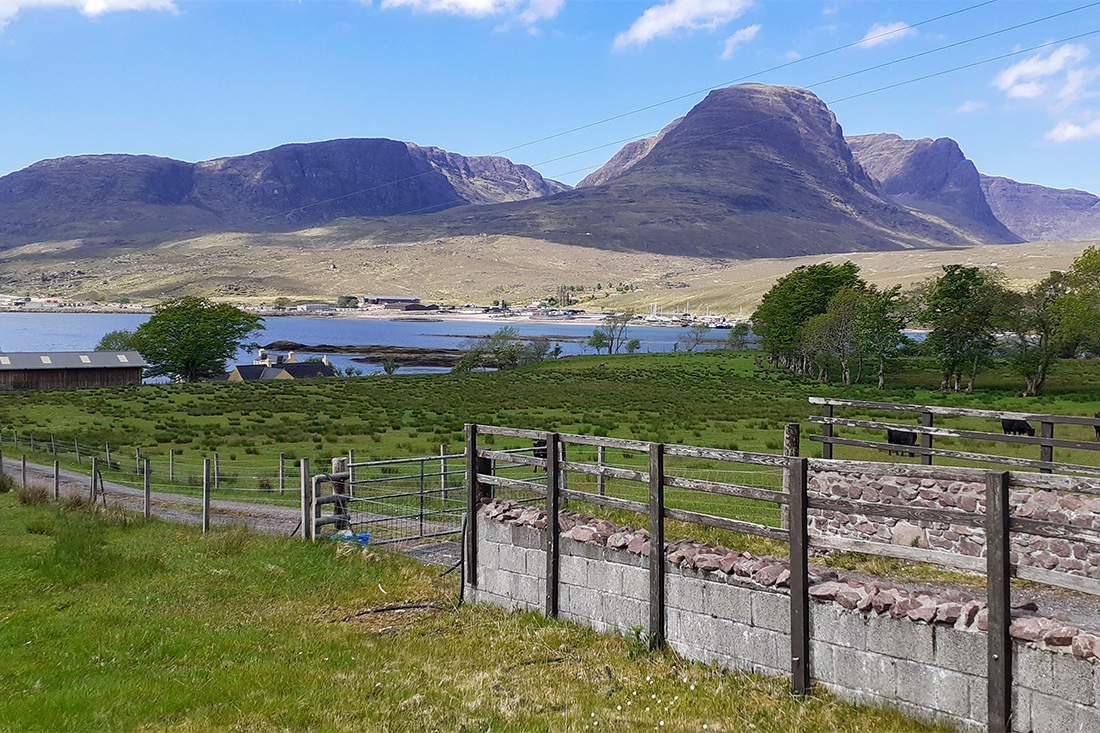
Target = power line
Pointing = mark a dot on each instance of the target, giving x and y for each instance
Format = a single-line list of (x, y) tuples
[(443, 205)]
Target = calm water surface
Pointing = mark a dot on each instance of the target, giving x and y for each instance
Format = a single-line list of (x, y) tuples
[(76, 331)]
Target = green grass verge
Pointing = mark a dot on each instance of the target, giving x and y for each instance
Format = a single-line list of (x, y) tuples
[(112, 623)]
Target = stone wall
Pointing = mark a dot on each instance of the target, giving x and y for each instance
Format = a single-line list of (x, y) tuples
[(1072, 510), (923, 652)]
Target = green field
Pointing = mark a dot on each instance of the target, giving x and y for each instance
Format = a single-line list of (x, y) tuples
[(716, 398), (111, 623)]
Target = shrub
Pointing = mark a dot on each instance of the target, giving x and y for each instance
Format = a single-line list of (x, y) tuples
[(33, 494), (7, 483)]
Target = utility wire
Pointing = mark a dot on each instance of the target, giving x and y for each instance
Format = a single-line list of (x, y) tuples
[(621, 141), (647, 107)]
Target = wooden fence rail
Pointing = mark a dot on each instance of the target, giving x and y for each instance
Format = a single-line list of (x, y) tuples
[(1045, 441), (997, 522)]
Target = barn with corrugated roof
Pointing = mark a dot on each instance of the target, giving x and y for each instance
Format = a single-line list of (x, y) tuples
[(69, 369)]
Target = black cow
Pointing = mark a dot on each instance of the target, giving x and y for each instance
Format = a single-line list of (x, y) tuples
[(1017, 427), (1097, 427), (538, 450), (900, 437)]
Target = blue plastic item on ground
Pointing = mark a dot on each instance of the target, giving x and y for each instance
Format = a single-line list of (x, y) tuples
[(363, 538)]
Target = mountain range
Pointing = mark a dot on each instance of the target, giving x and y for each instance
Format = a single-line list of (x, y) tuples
[(750, 171)]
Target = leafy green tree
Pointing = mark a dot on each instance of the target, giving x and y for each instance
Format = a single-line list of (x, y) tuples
[(390, 365), (738, 337), (790, 304), (347, 301), (835, 333), (963, 308), (615, 328), (1078, 311), (190, 338), (882, 316), (599, 340), (1034, 334), (633, 345), (121, 340)]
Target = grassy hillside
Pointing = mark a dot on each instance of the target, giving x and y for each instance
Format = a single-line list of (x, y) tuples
[(108, 623)]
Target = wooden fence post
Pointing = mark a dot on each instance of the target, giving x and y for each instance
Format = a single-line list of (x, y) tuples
[(56, 480), (792, 433), (76, 445), (926, 419), (95, 471), (217, 474), (108, 450), (340, 488), (148, 490), (656, 630), (171, 465), (1, 463), (205, 495), (552, 531), (1046, 452), (796, 477), (601, 459), (53, 444), (23, 479), (307, 510), (827, 432), (282, 473), (472, 500), (999, 592)]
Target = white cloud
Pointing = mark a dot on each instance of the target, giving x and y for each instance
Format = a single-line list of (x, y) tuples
[(793, 55), (1024, 80), (524, 12), (1066, 131), (830, 10), (675, 15), (881, 33), (969, 106), (10, 8), (742, 36)]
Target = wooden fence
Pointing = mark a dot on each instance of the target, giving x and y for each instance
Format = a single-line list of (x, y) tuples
[(1045, 441), (997, 522)]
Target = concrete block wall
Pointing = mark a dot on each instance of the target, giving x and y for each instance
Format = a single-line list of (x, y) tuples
[(932, 672)]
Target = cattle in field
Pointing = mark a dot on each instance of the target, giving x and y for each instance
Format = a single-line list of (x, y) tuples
[(1017, 427), (538, 450), (900, 437), (1097, 427)]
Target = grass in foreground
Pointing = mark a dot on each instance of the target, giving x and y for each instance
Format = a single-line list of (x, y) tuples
[(111, 623)]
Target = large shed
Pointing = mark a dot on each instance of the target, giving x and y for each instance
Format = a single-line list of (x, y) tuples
[(69, 369)]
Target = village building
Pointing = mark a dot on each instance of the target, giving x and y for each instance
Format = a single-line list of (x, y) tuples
[(279, 366), (69, 369)]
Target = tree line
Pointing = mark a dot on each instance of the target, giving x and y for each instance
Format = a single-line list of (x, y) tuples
[(826, 317)]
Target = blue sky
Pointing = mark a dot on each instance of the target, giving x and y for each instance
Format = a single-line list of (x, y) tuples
[(198, 80)]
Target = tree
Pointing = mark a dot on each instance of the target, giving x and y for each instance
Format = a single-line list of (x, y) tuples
[(347, 301), (790, 304), (738, 337), (1034, 335), (1078, 311), (191, 339), (882, 316), (835, 333), (121, 340), (615, 328), (962, 306), (633, 345), (694, 336), (390, 365), (599, 340)]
